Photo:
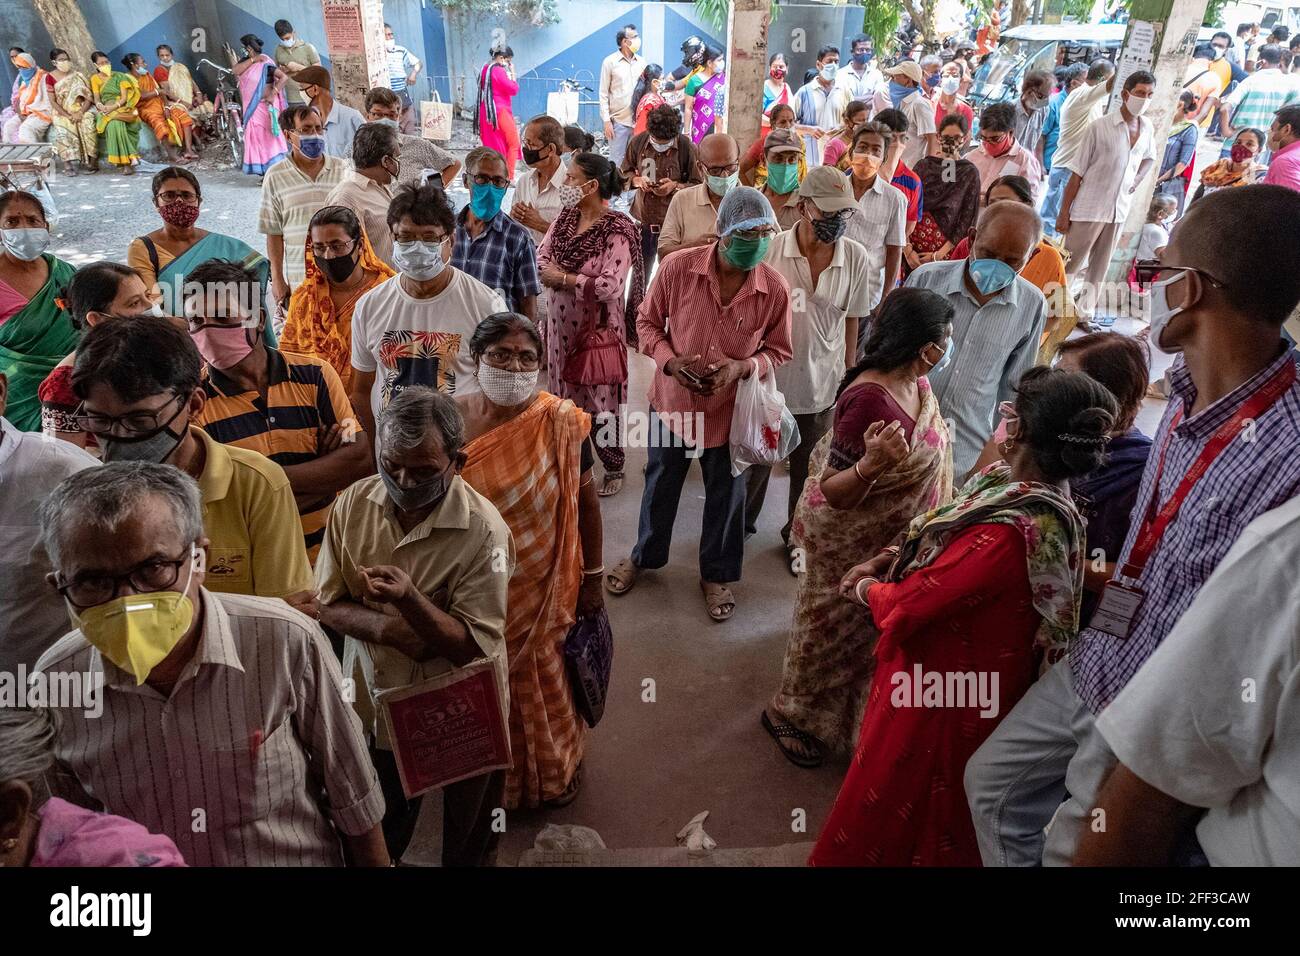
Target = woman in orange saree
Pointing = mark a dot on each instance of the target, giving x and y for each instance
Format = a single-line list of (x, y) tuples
[(527, 452), (341, 268)]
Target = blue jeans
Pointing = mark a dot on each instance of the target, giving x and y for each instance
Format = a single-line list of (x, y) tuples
[(722, 539), (1056, 181)]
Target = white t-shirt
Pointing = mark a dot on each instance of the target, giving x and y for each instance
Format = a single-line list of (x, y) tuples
[(1213, 717), (1153, 236), (808, 381), (409, 341)]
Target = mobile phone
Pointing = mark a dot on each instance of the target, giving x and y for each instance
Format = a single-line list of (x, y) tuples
[(691, 377)]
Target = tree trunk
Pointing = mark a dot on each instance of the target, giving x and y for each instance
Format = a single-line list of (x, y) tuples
[(1020, 11), (746, 68), (67, 26), (922, 13)]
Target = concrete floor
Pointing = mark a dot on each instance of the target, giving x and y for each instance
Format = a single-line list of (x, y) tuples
[(651, 765)]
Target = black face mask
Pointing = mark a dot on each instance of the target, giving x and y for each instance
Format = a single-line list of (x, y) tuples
[(533, 156), (340, 267)]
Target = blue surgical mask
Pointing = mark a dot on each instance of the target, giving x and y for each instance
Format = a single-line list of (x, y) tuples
[(25, 244), (944, 359), (485, 200), (990, 275), (389, 121), (660, 147), (828, 72), (861, 58), (313, 147)]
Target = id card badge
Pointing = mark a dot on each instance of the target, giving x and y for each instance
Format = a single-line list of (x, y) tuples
[(1118, 606)]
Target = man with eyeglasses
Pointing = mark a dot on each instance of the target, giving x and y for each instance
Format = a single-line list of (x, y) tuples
[(1226, 452), (222, 719), (291, 408), (140, 386), (368, 188), (31, 618), (414, 328), (830, 281), (692, 216), (489, 245), (714, 315), (999, 153), (420, 158), (1117, 153)]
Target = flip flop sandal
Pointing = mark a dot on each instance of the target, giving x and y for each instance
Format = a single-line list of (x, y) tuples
[(614, 478), (720, 601), (784, 730), (569, 793), (620, 578)]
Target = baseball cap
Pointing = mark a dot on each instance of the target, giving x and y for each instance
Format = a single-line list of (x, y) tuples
[(828, 188), (782, 141), (908, 68)]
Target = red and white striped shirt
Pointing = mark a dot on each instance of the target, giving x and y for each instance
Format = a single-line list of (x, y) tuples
[(683, 314)]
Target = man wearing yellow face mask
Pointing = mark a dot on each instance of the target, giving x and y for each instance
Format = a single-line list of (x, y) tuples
[(222, 705)]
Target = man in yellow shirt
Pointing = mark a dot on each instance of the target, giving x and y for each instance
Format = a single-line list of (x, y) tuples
[(138, 380)]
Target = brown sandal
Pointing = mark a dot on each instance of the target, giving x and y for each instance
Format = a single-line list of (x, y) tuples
[(721, 602), (620, 578), (611, 484)]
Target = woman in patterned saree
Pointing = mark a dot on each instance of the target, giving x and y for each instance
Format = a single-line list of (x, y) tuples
[(341, 268), (35, 331), (118, 123), (171, 125), (704, 95), (966, 607), (528, 452), (885, 460), (73, 133)]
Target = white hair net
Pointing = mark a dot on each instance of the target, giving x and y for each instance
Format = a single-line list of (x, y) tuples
[(744, 208)]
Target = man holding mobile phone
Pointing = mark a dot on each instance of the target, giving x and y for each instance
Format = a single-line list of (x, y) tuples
[(715, 314)]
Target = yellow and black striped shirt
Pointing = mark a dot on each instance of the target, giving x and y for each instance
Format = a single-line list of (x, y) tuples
[(304, 398)]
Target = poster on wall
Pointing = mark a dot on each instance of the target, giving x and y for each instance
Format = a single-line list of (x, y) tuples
[(343, 31)]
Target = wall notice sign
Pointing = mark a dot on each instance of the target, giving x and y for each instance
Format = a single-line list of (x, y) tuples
[(1141, 37), (343, 33)]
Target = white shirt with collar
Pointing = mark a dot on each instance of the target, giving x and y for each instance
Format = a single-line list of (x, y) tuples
[(817, 318), (32, 614), (1108, 166), (545, 199), (879, 221), (859, 86), (618, 79)]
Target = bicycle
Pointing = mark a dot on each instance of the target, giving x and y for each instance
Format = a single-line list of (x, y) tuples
[(227, 123)]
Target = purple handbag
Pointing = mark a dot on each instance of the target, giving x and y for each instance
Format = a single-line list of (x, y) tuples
[(588, 656)]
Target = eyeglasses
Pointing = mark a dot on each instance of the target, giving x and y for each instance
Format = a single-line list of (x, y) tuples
[(501, 358), (133, 423), (171, 196), (754, 234), (156, 574), (332, 250), (482, 179), (1151, 271), (723, 170), (993, 138)]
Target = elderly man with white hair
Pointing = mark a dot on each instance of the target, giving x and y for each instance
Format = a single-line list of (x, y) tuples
[(224, 723), (996, 326), (415, 568), (730, 319)]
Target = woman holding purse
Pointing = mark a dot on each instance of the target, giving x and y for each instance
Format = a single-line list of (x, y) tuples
[(584, 263)]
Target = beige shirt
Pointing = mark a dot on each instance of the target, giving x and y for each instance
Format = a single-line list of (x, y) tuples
[(817, 318), (691, 220), (461, 557), (369, 200), (618, 78), (544, 198), (289, 199), (233, 763)]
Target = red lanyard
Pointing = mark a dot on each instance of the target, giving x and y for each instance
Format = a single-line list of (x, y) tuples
[(1153, 527)]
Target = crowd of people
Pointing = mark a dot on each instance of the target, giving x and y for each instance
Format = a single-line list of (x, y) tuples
[(235, 480)]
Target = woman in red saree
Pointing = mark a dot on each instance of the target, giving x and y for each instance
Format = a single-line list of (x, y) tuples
[(528, 453), (171, 125), (977, 591)]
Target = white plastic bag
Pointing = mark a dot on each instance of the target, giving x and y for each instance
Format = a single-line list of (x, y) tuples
[(763, 431)]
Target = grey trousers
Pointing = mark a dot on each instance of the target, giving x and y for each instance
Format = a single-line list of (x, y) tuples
[(1090, 245)]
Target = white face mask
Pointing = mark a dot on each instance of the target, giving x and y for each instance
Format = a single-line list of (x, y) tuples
[(506, 387), (1137, 105), (950, 85), (419, 260), (26, 244), (1162, 312)]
